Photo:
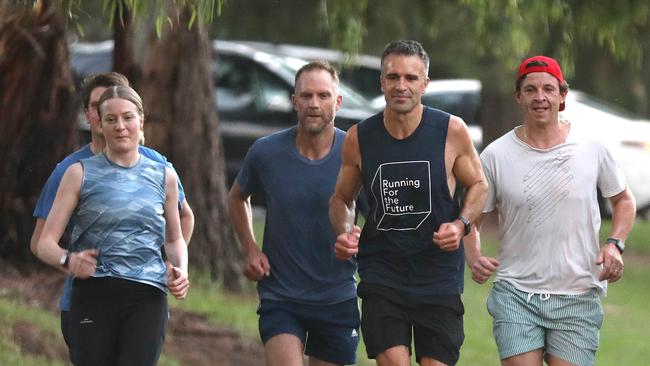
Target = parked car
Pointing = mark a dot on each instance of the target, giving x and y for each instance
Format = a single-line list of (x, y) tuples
[(460, 97), (252, 89), (361, 72), (626, 136)]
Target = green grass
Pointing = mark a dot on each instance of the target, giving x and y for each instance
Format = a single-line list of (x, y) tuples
[(638, 242), (624, 334), (13, 311), (229, 310)]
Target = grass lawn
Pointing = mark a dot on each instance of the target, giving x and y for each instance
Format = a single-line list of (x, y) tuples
[(624, 334)]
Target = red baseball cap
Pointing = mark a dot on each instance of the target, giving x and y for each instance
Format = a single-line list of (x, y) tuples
[(543, 64)]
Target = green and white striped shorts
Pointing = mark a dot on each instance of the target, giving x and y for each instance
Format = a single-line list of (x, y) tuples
[(565, 326)]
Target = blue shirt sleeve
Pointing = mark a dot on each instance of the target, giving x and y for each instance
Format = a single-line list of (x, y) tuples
[(248, 176), (46, 199), (48, 194), (156, 156)]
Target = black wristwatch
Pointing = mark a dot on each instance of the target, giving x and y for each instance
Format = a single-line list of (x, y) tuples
[(620, 245), (466, 224)]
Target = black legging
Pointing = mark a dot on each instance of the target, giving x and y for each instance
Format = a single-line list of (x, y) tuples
[(116, 322)]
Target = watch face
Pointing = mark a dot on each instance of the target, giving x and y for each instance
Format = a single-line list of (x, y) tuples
[(620, 245), (64, 259)]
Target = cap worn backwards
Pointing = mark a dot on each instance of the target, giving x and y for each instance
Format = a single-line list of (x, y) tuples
[(543, 64)]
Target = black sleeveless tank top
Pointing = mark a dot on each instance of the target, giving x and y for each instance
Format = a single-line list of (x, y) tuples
[(405, 183)]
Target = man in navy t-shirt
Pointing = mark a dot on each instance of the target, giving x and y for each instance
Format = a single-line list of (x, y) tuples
[(307, 296), (91, 90)]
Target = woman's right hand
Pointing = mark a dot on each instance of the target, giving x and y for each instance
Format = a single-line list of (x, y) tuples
[(83, 264), (177, 281)]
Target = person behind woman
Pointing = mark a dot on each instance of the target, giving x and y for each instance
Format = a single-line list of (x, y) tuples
[(124, 207)]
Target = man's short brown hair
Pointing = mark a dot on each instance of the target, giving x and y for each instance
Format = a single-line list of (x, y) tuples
[(317, 65), (104, 80)]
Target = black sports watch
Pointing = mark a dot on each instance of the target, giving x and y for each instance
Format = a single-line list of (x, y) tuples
[(466, 224), (620, 245)]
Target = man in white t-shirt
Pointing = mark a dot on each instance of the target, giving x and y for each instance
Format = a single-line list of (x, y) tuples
[(551, 267)]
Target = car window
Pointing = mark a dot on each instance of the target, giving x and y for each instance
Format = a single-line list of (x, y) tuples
[(351, 98), (462, 104), (241, 83), (272, 95), (233, 87), (364, 80)]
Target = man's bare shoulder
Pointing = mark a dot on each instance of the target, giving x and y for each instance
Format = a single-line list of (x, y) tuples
[(458, 133)]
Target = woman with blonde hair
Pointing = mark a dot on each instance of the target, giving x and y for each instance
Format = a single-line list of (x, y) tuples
[(123, 207)]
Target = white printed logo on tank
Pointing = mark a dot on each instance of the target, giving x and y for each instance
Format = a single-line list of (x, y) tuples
[(545, 186), (402, 191)]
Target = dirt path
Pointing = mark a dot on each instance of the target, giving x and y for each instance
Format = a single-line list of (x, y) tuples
[(190, 337)]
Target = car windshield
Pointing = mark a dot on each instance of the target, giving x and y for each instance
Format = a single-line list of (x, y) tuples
[(604, 106)]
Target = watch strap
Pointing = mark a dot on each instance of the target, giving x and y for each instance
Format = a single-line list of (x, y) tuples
[(466, 223), (618, 243)]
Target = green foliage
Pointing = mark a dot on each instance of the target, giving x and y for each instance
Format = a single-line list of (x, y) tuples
[(202, 11), (615, 25), (344, 21), (507, 30)]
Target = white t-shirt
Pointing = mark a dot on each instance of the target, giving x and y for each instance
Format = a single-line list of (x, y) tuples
[(547, 205)]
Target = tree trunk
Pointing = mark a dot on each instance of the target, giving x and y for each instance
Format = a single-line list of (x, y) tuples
[(498, 114), (37, 108), (181, 121), (123, 58)]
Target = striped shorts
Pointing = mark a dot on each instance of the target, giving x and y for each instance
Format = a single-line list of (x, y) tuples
[(565, 326)]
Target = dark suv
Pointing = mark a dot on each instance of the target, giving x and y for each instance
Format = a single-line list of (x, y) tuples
[(252, 90)]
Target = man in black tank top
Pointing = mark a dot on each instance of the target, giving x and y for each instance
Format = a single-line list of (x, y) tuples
[(409, 159)]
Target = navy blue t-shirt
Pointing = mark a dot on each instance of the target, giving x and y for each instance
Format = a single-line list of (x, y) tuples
[(298, 237), (406, 185)]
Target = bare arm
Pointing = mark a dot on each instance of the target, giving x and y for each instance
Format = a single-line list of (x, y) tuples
[(467, 169), (175, 246), (482, 267), (348, 185), (187, 221), (623, 214), (472, 242), (185, 212), (36, 235), (47, 238), (241, 217), (461, 155)]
